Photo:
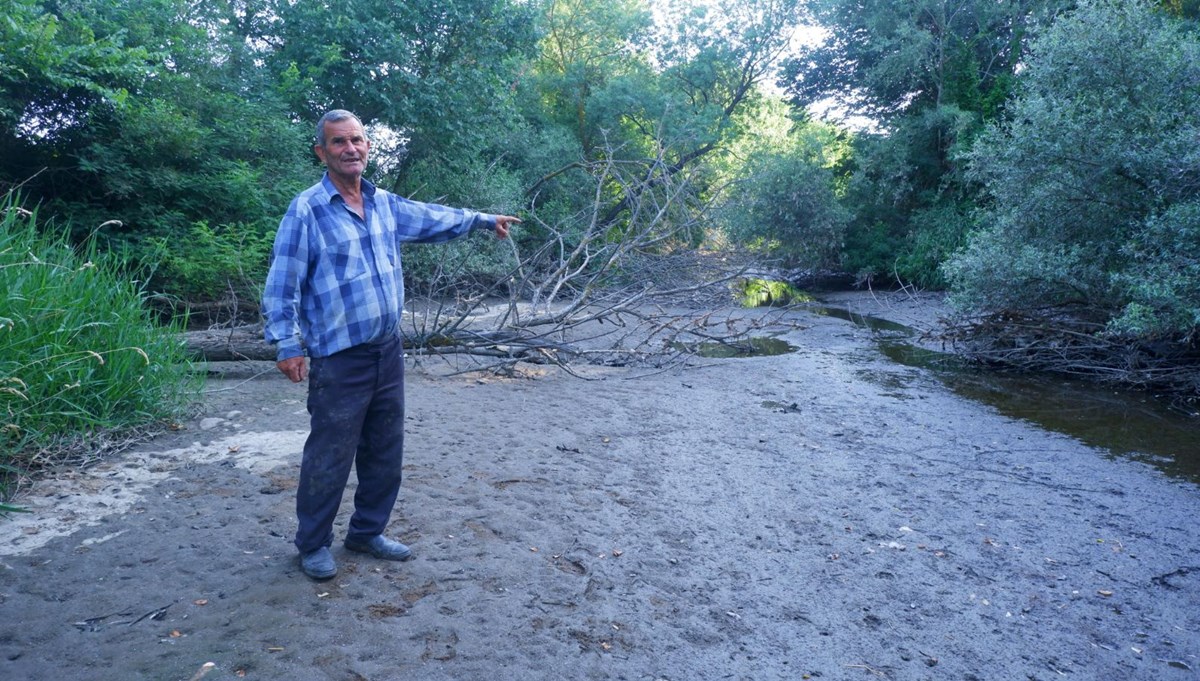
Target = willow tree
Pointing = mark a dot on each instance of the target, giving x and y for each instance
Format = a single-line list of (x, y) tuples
[(587, 47), (681, 88), (1092, 183), (928, 74)]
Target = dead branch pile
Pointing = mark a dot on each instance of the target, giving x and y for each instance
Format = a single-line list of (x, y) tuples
[(612, 283), (1069, 343), (651, 312), (604, 286)]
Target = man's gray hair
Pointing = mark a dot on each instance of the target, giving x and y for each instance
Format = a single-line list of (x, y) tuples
[(332, 117)]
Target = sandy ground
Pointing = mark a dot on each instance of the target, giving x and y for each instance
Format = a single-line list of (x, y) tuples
[(823, 514)]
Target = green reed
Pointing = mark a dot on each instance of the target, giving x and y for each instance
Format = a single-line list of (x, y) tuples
[(82, 358)]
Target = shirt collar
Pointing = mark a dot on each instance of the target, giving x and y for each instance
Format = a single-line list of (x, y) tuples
[(368, 189)]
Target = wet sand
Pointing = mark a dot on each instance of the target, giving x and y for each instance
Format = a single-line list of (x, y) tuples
[(823, 514)]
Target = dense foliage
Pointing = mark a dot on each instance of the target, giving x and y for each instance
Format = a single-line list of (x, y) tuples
[(125, 120), (1093, 182), (927, 74), (183, 127), (785, 198)]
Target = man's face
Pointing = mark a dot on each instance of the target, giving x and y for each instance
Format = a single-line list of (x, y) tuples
[(345, 150)]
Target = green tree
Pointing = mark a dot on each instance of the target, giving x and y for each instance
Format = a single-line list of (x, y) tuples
[(929, 74), (652, 109), (173, 130), (710, 60), (1092, 183), (714, 57), (884, 59), (438, 74), (783, 197), (910, 203), (585, 47), (57, 73)]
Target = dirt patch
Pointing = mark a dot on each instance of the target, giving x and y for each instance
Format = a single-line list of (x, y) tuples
[(821, 514)]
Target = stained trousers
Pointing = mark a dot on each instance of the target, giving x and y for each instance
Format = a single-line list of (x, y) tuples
[(356, 407)]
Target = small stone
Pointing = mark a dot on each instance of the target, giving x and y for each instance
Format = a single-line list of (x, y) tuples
[(210, 423)]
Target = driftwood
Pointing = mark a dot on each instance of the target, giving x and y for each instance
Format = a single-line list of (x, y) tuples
[(1058, 341), (229, 345)]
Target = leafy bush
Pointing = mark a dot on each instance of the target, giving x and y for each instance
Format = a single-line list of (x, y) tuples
[(1163, 279), (79, 352), (910, 204), (1092, 183), (936, 234), (786, 205), (209, 264), (870, 251)]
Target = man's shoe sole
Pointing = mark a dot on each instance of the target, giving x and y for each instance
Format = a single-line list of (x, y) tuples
[(366, 548), (319, 575)]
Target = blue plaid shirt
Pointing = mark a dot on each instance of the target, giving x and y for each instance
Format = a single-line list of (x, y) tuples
[(335, 278)]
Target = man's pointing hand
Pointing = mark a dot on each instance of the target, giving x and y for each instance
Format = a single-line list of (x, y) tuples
[(503, 223)]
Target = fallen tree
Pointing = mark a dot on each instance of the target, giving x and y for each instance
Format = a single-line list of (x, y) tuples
[(591, 292), (654, 326), (232, 344)]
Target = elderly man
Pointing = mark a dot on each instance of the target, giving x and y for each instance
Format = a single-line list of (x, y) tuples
[(335, 281)]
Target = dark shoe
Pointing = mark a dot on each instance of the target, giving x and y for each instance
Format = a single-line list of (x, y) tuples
[(318, 564), (380, 547)]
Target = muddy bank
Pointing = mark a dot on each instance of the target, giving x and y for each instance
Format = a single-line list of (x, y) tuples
[(822, 514)]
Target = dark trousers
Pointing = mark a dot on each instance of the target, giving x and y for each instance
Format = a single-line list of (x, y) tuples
[(356, 401)]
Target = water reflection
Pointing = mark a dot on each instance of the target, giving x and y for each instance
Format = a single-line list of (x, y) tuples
[(1127, 423)]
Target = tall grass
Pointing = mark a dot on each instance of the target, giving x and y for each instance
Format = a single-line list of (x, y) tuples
[(81, 357)]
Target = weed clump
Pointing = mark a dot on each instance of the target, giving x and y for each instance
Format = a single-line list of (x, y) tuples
[(84, 365)]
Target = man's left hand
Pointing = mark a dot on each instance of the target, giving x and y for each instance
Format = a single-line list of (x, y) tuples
[(503, 223)]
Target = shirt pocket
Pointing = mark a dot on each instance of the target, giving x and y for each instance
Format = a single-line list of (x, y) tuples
[(345, 255)]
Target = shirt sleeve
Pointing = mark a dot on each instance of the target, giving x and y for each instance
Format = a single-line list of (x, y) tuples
[(418, 222), (281, 295)]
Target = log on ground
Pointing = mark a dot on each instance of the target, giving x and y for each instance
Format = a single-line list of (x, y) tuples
[(229, 345)]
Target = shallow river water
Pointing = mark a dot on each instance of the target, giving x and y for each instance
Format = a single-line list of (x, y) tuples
[(1126, 423)]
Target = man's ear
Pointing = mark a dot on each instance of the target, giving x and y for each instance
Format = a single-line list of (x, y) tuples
[(319, 151)]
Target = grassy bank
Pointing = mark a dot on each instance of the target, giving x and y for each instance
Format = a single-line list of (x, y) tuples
[(83, 363)]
